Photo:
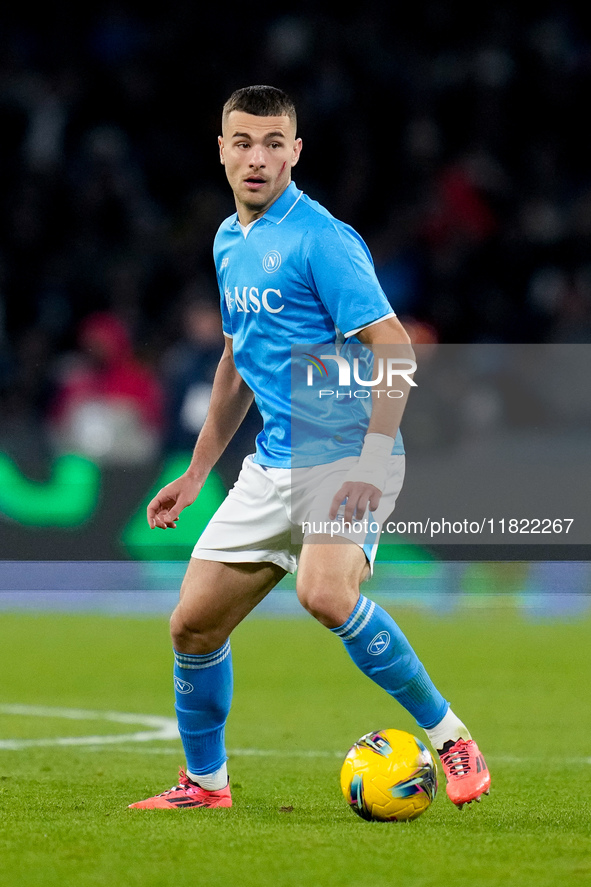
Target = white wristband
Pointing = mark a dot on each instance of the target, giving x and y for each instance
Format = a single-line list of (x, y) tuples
[(372, 466)]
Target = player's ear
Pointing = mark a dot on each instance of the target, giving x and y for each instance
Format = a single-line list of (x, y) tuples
[(221, 147), (297, 148)]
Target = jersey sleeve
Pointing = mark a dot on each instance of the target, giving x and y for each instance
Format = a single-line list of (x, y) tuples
[(226, 323), (340, 270)]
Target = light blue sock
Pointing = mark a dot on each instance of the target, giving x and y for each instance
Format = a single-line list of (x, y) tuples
[(379, 648), (203, 694)]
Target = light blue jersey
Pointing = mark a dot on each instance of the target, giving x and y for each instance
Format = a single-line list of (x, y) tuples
[(296, 275)]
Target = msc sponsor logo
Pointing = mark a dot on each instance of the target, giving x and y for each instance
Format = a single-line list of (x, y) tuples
[(272, 261), (183, 687), (251, 299), (379, 643)]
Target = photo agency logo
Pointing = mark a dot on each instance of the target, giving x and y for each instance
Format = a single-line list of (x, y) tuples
[(386, 371)]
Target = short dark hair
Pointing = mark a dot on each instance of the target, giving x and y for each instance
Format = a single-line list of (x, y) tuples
[(261, 101)]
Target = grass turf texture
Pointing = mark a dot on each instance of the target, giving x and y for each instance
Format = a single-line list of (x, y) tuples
[(299, 704)]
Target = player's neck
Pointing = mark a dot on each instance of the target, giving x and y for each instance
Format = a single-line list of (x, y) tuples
[(248, 214)]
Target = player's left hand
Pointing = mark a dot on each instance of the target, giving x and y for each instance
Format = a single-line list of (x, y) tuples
[(357, 495)]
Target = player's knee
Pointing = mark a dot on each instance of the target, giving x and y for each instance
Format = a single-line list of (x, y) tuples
[(329, 605), (192, 637)]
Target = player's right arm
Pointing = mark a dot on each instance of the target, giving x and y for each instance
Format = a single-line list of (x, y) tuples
[(230, 399)]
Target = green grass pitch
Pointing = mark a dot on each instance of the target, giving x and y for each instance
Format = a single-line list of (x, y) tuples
[(523, 686)]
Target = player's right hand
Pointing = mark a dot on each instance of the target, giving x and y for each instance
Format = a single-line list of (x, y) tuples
[(164, 509)]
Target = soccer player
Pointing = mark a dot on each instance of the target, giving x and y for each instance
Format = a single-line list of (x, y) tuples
[(289, 272)]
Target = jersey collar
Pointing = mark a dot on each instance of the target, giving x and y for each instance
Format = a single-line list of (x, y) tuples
[(282, 206)]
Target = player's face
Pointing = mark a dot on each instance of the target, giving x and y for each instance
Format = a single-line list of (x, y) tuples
[(258, 153)]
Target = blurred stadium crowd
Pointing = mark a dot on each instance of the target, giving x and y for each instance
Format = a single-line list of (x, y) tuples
[(453, 138)]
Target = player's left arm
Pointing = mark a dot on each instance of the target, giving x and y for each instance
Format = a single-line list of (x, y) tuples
[(389, 339), (365, 482)]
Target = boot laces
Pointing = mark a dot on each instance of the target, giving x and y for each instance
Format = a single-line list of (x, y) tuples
[(457, 760), (183, 784)]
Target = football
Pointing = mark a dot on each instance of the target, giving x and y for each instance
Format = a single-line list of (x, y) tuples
[(389, 776)]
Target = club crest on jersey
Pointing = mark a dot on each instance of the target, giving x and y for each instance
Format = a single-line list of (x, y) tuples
[(272, 261)]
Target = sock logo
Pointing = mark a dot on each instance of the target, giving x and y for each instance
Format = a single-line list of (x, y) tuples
[(183, 687), (379, 643)]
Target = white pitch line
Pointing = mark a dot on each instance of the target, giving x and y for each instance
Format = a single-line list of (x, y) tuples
[(284, 753), (236, 752), (166, 729), (161, 728), (321, 753)]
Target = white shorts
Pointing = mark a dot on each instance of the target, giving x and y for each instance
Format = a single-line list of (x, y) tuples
[(269, 511)]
